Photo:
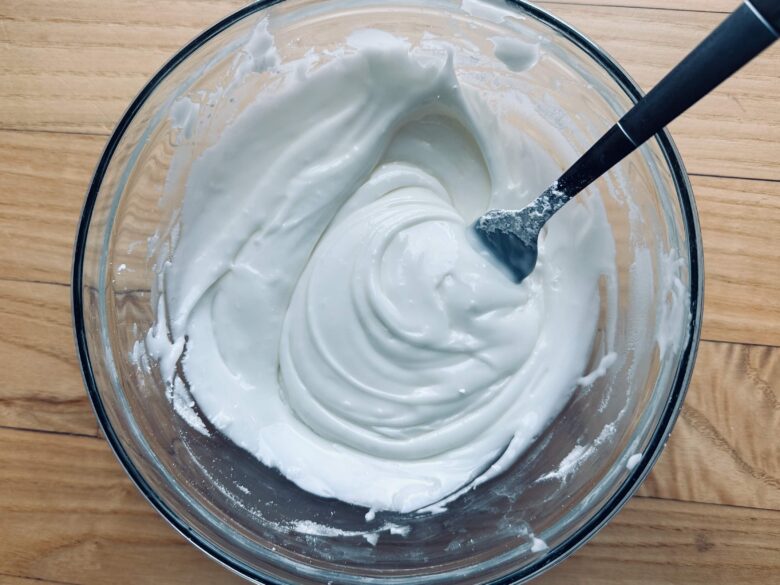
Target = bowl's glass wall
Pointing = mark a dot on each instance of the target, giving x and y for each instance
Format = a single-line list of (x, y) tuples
[(240, 507)]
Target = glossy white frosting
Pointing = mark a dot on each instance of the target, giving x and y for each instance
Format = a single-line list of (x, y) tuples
[(332, 312)]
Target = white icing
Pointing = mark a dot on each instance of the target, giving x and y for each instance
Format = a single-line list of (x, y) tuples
[(578, 455), (633, 461), (538, 545), (184, 406), (372, 536), (484, 10), (600, 370), (673, 309), (328, 304), (517, 55)]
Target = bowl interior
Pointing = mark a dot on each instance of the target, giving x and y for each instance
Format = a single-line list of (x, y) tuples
[(574, 476)]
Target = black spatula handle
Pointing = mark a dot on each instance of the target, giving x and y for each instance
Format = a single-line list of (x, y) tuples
[(746, 32)]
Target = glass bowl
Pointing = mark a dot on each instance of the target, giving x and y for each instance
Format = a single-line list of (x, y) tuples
[(577, 473)]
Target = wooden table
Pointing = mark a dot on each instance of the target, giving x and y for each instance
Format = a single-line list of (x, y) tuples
[(710, 511)]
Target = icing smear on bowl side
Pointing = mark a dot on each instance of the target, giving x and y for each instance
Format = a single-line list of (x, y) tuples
[(325, 302)]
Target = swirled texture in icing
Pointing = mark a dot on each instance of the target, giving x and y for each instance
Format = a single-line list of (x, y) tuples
[(340, 322)]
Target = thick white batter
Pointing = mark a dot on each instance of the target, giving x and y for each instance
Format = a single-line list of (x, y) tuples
[(333, 314)]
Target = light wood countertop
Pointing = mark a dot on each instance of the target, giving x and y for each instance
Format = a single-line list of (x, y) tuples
[(709, 512)]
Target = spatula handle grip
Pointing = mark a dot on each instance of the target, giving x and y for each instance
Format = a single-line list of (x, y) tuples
[(746, 32), (739, 38)]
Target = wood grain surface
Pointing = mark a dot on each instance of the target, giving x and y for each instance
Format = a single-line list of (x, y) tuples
[(720, 6), (710, 511)]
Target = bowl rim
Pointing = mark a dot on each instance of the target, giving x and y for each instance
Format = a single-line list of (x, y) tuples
[(664, 425)]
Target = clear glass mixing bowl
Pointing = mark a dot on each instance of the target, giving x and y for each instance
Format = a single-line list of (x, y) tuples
[(573, 478)]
